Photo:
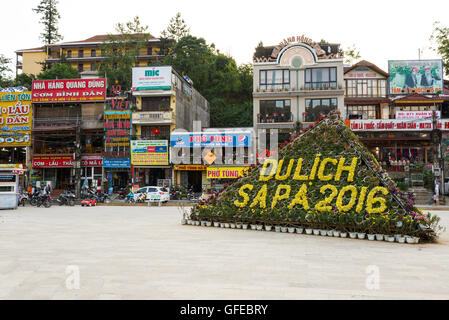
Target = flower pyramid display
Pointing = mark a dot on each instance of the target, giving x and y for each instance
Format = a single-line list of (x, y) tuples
[(323, 179)]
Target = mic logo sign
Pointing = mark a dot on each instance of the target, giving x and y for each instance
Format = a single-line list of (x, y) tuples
[(151, 73)]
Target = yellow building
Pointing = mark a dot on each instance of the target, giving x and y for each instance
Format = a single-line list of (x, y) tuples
[(83, 55)]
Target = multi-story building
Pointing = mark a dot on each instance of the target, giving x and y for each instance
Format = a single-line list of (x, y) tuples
[(83, 55), (165, 101), (296, 82)]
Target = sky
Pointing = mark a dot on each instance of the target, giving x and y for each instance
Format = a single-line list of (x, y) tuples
[(381, 30)]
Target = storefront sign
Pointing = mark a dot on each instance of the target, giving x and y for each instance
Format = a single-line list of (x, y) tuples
[(152, 78), (416, 76), (91, 161), (416, 115), (396, 125), (219, 139), (16, 119), (70, 90), (116, 163), (53, 162), (190, 167), (12, 166), (225, 172), (149, 152), (117, 126)]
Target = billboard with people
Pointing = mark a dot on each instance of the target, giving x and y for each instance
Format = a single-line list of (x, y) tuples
[(415, 76)]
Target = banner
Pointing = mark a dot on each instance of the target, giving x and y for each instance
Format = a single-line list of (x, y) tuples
[(16, 119), (225, 172), (53, 162), (149, 152), (219, 139), (190, 167), (396, 125), (70, 90), (91, 161), (152, 78), (116, 162), (412, 115), (415, 76)]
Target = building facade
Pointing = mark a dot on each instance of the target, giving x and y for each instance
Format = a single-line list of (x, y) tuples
[(296, 83), (165, 101), (83, 55)]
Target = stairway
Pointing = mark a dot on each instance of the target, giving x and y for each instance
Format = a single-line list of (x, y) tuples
[(422, 195)]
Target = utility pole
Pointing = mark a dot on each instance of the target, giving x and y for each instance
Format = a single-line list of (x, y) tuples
[(78, 159), (436, 140)]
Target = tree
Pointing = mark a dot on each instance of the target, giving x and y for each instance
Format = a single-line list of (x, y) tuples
[(59, 71), (121, 51), (5, 81), (260, 51), (24, 80), (352, 54), (440, 37), (176, 29), (49, 18)]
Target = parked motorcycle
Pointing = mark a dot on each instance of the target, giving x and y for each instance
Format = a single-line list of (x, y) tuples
[(67, 198), (23, 199), (44, 199), (130, 197)]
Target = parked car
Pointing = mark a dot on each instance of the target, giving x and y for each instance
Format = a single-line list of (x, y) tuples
[(155, 193)]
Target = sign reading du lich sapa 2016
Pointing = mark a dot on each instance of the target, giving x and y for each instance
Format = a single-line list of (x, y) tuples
[(152, 78)]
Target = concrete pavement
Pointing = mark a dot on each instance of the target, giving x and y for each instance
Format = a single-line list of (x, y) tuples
[(145, 253)]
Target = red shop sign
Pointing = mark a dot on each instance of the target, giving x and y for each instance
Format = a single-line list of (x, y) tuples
[(91, 161), (70, 90), (53, 162)]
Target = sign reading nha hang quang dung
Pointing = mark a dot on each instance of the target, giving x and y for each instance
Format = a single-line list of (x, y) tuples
[(16, 119)]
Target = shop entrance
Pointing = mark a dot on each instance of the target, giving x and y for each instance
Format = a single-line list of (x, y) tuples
[(118, 179), (194, 179), (60, 178), (154, 175)]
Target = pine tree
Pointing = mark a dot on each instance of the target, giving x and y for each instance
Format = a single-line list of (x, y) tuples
[(176, 29), (49, 18)]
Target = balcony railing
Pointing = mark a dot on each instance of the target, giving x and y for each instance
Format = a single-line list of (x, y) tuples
[(321, 86), (275, 117), (152, 117)]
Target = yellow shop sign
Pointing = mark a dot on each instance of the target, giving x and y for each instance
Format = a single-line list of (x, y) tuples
[(225, 172), (15, 119)]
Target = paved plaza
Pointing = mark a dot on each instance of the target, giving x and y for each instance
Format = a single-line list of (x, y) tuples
[(145, 253)]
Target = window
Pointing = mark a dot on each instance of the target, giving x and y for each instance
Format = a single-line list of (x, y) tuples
[(80, 53), (365, 88), (155, 103), (93, 67), (137, 64), (318, 107), (274, 79), (155, 132), (149, 51), (275, 111), (93, 53), (321, 78), (362, 112), (69, 53), (80, 67)]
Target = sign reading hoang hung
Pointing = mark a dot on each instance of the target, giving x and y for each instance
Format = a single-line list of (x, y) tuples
[(16, 119)]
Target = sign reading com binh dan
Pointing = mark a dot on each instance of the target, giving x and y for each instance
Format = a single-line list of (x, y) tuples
[(69, 90), (16, 119)]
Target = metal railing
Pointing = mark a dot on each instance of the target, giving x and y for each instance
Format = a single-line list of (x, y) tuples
[(275, 117)]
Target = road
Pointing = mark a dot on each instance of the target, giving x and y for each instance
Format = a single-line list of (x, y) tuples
[(145, 253)]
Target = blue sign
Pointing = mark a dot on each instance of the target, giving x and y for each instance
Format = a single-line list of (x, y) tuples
[(116, 162), (178, 140)]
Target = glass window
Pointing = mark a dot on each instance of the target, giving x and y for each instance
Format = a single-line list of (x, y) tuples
[(93, 53), (321, 78), (80, 67), (275, 111), (274, 79), (80, 53), (315, 108), (361, 112), (69, 53)]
